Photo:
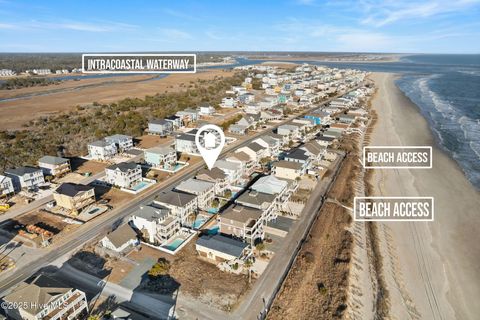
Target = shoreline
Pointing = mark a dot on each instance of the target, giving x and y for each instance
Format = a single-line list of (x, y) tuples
[(432, 268)]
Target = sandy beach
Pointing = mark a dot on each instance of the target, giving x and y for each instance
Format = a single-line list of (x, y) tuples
[(432, 269)]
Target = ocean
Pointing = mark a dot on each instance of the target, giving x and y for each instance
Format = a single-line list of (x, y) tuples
[(446, 89)]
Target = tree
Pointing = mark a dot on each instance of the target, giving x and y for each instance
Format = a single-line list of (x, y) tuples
[(248, 265), (260, 246), (228, 193), (161, 268)]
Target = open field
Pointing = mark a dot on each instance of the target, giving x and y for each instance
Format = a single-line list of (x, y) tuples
[(21, 111)]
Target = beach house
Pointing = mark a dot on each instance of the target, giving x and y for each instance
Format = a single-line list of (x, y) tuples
[(233, 170), (25, 178), (242, 222), (74, 197), (160, 127), (120, 239), (155, 223), (102, 150), (287, 169), (215, 176), (54, 166), (161, 157), (219, 248), (6, 186), (45, 298), (204, 190), (123, 175), (181, 204), (121, 141), (185, 143)]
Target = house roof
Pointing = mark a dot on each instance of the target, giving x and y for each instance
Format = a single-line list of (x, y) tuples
[(255, 146), (152, 212), (188, 137), (214, 174), (72, 189), (20, 171), (240, 155), (123, 166), (269, 184), (100, 143), (255, 198), (175, 198), (194, 186), (227, 165), (314, 148), (52, 160), (160, 150), (118, 137), (241, 213), (297, 154), (121, 235), (288, 165), (35, 295), (222, 244), (160, 121)]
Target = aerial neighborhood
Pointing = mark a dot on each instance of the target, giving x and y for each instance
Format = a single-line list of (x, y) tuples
[(282, 127)]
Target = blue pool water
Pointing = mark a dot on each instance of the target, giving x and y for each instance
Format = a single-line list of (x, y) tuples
[(213, 230), (172, 246), (198, 223), (178, 166), (212, 210), (140, 186)]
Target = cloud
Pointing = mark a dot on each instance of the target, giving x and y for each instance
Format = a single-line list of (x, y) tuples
[(7, 26), (174, 34), (381, 13), (101, 26)]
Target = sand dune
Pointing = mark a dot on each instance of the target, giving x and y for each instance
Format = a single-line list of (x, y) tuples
[(432, 268)]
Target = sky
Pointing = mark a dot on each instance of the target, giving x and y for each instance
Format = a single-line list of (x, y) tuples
[(411, 26)]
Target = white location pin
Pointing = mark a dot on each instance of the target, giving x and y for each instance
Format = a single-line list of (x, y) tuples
[(210, 141)]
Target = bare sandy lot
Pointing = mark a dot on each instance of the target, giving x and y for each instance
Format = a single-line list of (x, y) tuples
[(84, 92)]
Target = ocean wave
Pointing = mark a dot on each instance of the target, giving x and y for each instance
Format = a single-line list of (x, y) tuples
[(457, 132), (475, 73)]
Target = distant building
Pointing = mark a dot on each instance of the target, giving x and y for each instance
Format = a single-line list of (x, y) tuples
[(124, 174), (185, 143), (46, 298), (161, 157), (160, 127), (121, 141), (237, 129), (54, 166), (102, 150), (26, 178)]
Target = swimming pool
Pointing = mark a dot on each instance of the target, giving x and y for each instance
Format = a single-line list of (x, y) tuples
[(178, 166), (198, 223), (213, 230), (140, 185), (212, 210), (172, 246)]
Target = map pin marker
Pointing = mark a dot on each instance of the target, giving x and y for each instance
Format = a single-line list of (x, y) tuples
[(210, 141)]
